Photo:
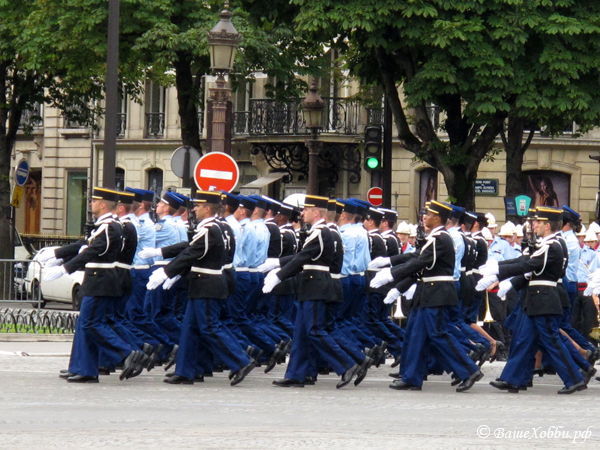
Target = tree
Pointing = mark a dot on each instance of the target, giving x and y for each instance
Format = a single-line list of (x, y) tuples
[(466, 57)]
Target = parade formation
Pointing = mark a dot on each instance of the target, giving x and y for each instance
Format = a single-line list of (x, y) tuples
[(225, 282)]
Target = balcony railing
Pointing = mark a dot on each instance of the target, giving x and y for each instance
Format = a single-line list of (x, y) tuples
[(32, 118), (155, 125)]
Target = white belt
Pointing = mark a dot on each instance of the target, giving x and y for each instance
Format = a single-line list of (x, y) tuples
[(374, 270), (438, 278), (315, 267), (462, 269), (470, 272), (111, 265), (242, 269), (207, 271), (141, 267), (161, 263), (559, 280), (123, 266), (475, 271), (336, 276), (362, 274), (228, 266), (543, 283), (253, 270)]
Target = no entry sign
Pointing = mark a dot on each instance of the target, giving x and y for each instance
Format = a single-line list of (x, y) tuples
[(375, 196), (216, 171)]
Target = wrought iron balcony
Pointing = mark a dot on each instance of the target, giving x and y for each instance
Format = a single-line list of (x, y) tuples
[(241, 121), (273, 117), (155, 125), (121, 124), (32, 118)]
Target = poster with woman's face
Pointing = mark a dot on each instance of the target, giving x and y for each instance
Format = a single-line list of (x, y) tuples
[(428, 186), (547, 188)]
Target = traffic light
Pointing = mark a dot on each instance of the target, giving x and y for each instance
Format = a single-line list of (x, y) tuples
[(373, 148)]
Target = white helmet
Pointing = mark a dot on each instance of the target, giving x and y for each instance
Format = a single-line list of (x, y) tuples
[(594, 227), (403, 228), (583, 231), (508, 229), (487, 234), (519, 230), (491, 220), (590, 236), (413, 230)]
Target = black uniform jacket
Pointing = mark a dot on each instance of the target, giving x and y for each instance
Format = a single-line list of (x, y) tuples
[(313, 262), (435, 267), (289, 246), (103, 247), (229, 241), (204, 259), (391, 242), (546, 266), (274, 239), (377, 248)]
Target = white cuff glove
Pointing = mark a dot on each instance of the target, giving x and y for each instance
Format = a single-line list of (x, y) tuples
[(594, 277), (54, 262), (45, 255), (503, 289), (380, 261), (391, 296), (410, 293), (486, 282), (269, 264), (271, 280), (382, 278), (149, 253), (157, 278), (170, 282), (54, 273), (489, 268)]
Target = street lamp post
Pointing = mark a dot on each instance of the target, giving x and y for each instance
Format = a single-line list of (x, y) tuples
[(313, 106), (223, 40)]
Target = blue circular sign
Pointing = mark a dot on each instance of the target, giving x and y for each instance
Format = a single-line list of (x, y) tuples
[(22, 172)]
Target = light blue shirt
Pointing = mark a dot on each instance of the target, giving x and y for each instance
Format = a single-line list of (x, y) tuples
[(181, 229), (574, 254), (239, 258), (459, 250), (235, 226), (349, 241), (587, 257), (254, 244), (166, 234), (362, 256), (146, 238)]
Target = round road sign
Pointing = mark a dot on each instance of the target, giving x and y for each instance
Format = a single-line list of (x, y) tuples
[(21, 173), (375, 196), (216, 171), (178, 161)]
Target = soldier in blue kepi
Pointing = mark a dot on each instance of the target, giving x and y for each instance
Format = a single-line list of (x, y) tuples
[(203, 262)]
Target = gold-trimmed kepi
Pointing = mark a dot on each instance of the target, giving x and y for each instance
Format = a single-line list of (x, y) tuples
[(548, 213), (315, 201), (126, 198), (105, 194), (208, 197), (441, 209)]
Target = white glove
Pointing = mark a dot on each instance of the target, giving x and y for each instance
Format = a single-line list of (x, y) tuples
[(82, 248), (391, 296), (149, 253), (380, 261), (594, 277), (410, 293), (269, 264), (170, 282), (503, 289), (486, 282), (54, 262), (382, 278), (489, 268), (271, 280), (45, 255), (54, 273), (157, 278)]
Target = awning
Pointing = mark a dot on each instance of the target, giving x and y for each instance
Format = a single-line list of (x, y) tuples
[(266, 180)]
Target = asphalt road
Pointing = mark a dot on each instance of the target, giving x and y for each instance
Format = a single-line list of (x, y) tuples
[(39, 410)]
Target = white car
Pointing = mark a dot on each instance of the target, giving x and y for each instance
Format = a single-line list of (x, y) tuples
[(66, 289)]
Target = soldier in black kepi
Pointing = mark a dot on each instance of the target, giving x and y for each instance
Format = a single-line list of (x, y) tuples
[(311, 339), (203, 262), (101, 286)]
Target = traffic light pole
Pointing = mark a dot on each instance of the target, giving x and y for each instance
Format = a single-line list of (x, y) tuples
[(387, 155)]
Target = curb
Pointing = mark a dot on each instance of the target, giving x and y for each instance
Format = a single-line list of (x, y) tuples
[(32, 337)]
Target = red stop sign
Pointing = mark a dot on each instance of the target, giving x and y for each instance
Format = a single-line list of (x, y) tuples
[(216, 171), (375, 196)]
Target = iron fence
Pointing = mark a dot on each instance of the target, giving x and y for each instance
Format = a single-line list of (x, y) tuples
[(15, 287), (35, 242), (37, 321)]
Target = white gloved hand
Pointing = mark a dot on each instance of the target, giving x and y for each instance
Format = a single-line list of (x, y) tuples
[(149, 253), (269, 264), (54, 262), (170, 282), (410, 293), (54, 273), (594, 277), (486, 282), (157, 278), (489, 268), (82, 248), (45, 255), (271, 280), (382, 278), (391, 296), (380, 261), (503, 289)]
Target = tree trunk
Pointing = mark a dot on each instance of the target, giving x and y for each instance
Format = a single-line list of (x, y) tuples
[(188, 99), (515, 152)]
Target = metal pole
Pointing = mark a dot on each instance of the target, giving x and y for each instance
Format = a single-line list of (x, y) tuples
[(186, 169), (313, 164), (387, 155), (112, 86)]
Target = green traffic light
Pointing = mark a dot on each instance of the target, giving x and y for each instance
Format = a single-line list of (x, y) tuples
[(372, 163)]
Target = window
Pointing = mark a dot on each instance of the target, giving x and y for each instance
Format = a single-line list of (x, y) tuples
[(122, 115), (155, 109), (120, 179), (155, 181), (76, 203)]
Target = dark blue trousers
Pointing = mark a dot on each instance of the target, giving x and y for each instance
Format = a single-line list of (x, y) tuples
[(565, 323), (202, 327), (92, 334), (160, 307), (539, 333)]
